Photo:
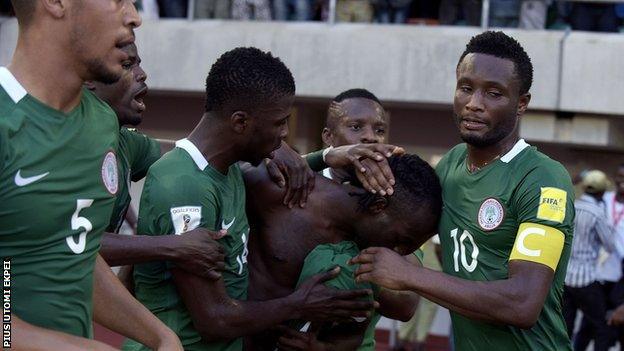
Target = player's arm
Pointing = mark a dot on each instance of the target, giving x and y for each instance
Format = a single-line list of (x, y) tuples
[(399, 305), (29, 337), (545, 213), (196, 250), (516, 301), (117, 310), (218, 317)]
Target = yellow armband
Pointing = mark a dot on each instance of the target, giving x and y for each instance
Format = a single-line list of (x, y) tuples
[(538, 243)]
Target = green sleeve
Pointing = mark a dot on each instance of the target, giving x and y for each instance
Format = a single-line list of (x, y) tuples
[(546, 197), (419, 255), (174, 205), (142, 150), (315, 160)]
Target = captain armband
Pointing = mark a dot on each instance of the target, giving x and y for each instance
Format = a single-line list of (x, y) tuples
[(538, 243)]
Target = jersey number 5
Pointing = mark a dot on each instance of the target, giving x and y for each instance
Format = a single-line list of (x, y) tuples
[(460, 250), (78, 222)]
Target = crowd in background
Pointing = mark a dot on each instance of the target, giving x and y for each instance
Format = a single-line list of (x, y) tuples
[(528, 14), (594, 284)]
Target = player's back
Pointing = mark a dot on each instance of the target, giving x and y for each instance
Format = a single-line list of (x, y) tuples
[(58, 179)]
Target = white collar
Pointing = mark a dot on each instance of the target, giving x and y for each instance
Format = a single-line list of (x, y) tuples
[(194, 152), (15, 90), (520, 145)]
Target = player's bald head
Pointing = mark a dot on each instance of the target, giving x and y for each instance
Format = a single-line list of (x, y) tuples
[(24, 10)]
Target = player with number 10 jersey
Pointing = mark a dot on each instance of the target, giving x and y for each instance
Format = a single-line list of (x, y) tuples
[(520, 207)]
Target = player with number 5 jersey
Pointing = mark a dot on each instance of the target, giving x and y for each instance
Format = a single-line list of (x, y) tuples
[(58, 180)]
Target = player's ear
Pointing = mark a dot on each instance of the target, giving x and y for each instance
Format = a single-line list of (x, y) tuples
[(523, 103), (239, 121), (327, 137), (57, 8), (378, 204)]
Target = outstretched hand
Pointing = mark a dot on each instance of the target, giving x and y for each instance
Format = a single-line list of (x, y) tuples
[(198, 252), (383, 267), (369, 162), (288, 169)]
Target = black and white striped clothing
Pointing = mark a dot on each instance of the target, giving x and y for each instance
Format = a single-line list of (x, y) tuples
[(591, 232)]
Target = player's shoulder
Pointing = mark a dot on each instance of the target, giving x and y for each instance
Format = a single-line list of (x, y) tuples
[(454, 156), (132, 138), (537, 166), (98, 110)]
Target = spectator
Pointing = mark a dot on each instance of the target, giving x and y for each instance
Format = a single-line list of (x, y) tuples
[(594, 17), (298, 10), (251, 10), (504, 13), (451, 11), (354, 11), (533, 14), (173, 8), (591, 233), (610, 271), (212, 9), (392, 11)]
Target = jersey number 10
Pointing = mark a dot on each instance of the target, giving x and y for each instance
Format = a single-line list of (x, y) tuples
[(460, 249)]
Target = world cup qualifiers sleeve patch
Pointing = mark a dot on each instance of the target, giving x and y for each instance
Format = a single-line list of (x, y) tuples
[(538, 243), (185, 218), (552, 204)]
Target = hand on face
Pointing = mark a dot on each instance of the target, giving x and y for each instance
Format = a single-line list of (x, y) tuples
[(381, 266), (370, 164)]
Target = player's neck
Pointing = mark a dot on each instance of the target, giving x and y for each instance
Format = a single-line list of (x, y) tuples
[(479, 157), (218, 150), (344, 210), (42, 69)]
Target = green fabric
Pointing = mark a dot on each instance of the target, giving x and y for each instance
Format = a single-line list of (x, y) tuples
[(135, 155), (177, 197), (315, 161), (419, 255), (51, 284), (517, 186), (327, 256)]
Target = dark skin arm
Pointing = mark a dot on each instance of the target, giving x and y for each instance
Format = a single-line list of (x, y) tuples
[(117, 310), (516, 301), (288, 169), (26, 336), (399, 305), (218, 317), (198, 251)]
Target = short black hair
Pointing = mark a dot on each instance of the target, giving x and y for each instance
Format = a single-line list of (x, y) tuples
[(416, 185), (501, 45), (356, 93), (24, 10), (245, 79)]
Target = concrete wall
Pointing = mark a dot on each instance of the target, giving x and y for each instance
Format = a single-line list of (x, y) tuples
[(413, 64)]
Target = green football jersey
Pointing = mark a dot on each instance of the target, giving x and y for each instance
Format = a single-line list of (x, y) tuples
[(182, 192), (521, 206), (327, 256), (58, 180), (135, 155)]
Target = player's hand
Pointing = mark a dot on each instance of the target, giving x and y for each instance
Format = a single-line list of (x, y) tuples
[(369, 162), (288, 169), (293, 340), (617, 318), (316, 302), (198, 252), (381, 266)]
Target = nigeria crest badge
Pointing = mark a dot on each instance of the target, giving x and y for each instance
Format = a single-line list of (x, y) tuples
[(491, 214)]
